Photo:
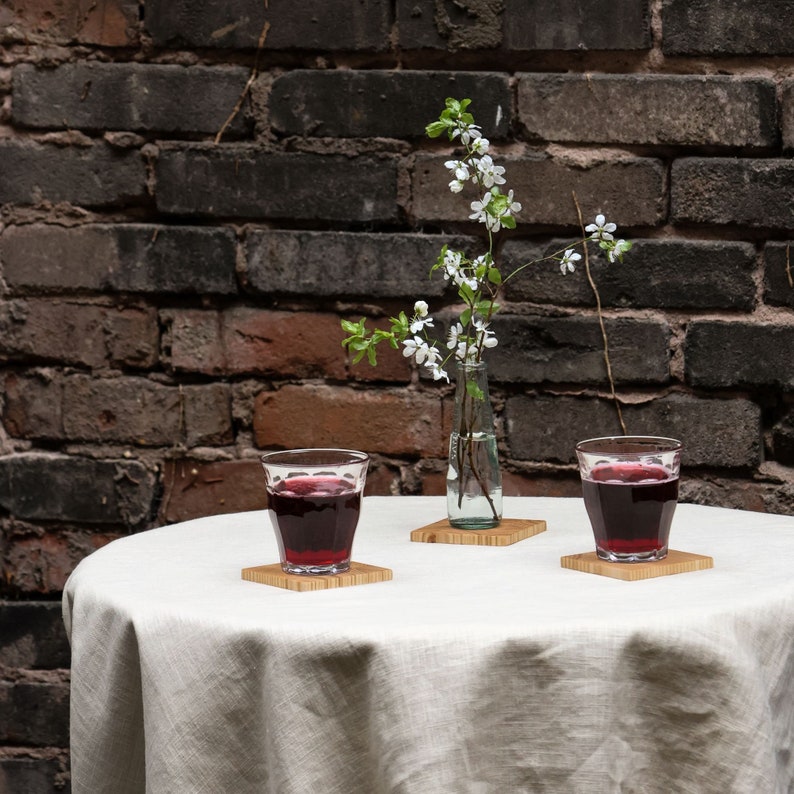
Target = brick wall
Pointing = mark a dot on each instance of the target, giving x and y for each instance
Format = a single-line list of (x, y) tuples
[(170, 304)]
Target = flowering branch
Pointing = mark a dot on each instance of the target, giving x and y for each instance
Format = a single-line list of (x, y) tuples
[(477, 280)]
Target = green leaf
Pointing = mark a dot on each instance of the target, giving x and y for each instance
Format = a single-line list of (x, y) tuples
[(435, 129), (372, 356), (474, 391), (494, 276), (508, 221)]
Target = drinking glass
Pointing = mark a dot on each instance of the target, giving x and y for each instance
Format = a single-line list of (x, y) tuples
[(314, 502), (630, 489)]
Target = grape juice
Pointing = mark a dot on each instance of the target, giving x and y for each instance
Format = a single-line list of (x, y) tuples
[(315, 519), (631, 507)]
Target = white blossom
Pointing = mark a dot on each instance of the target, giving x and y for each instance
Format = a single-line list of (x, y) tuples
[(417, 348), (601, 230), (421, 308), (620, 248), (454, 335), (459, 169), (480, 145), (485, 337), (455, 186), (435, 369), (568, 259), (490, 174), (478, 212)]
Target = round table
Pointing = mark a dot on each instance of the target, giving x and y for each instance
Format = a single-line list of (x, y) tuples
[(476, 669)]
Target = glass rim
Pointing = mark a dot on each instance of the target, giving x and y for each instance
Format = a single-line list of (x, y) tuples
[(660, 443), (289, 457)]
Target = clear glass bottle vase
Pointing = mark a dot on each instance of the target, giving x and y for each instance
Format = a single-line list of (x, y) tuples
[(474, 481)]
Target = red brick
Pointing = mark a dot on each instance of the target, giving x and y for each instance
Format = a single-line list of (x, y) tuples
[(110, 23), (243, 340), (389, 422), (193, 489), (71, 332), (40, 563), (514, 484)]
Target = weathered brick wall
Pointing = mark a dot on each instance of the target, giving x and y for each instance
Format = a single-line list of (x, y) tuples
[(169, 304)]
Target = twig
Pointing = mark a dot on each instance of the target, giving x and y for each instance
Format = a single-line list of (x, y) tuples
[(788, 266), (600, 319), (249, 83)]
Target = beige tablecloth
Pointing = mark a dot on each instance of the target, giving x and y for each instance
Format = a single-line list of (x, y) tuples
[(475, 670)]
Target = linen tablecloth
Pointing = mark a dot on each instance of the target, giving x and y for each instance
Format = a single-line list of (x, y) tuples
[(475, 670)]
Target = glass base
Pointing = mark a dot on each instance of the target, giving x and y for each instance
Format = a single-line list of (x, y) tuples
[(634, 556), (315, 570), (473, 523)]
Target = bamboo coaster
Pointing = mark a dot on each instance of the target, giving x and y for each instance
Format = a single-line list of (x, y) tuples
[(675, 562), (359, 573), (509, 531)]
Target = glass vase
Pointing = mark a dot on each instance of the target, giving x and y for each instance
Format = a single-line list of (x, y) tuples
[(474, 481)]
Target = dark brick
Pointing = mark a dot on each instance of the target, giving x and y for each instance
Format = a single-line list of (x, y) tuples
[(347, 263), (748, 192), (130, 96), (787, 114), (728, 354), (396, 422), (91, 176), (396, 104), (424, 24), (779, 274), (109, 23), (122, 258), (520, 26), (738, 494), (117, 410), (37, 486), (629, 190), (684, 110), (320, 25), (577, 25), (32, 636), (72, 332), (246, 340), (722, 433), (727, 27), (537, 349), (121, 410), (251, 183), (33, 406), (194, 489), (684, 274), (34, 714), (783, 439), (32, 775)]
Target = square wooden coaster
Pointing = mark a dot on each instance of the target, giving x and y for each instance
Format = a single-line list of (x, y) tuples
[(509, 531), (675, 562), (359, 573)]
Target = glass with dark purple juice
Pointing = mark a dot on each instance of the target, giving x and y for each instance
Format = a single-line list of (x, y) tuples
[(630, 489), (314, 502)]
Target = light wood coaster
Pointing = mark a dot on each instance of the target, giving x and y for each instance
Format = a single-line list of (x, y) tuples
[(359, 573), (509, 531), (675, 562)]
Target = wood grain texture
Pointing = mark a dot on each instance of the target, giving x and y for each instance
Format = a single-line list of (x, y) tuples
[(509, 531), (675, 562), (359, 573)]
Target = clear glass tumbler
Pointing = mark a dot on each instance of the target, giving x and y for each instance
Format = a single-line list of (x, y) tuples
[(630, 489), (314, 502)]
